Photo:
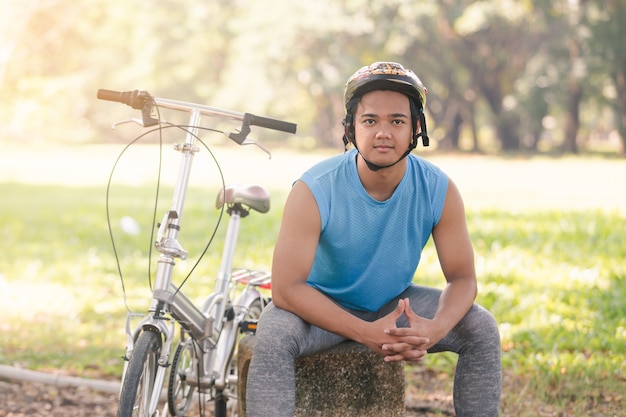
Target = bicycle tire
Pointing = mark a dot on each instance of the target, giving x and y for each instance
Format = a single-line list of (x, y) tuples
[(226, 401), (179, 393), (140, 376)]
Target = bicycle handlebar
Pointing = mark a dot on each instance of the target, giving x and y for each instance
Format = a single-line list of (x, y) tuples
[(142, 100)]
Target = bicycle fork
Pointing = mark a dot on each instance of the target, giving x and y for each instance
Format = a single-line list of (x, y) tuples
[(165, 331)]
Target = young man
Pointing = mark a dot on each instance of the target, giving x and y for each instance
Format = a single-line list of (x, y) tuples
[(352, 233)]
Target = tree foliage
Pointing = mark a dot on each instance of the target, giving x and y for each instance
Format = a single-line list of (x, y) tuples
[(502, 75)]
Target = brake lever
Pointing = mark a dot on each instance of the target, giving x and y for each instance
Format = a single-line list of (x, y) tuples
[(136, 121), (258, 145), (123, 122)]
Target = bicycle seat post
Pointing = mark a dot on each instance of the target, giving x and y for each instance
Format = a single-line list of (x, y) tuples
[(230, 241)]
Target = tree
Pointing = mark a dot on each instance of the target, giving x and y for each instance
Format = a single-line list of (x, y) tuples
[(563, 56), (65, 51), (13, 20), (496, 71), (608, 50)]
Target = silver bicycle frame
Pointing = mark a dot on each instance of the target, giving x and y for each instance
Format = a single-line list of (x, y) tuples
[(208, 325)]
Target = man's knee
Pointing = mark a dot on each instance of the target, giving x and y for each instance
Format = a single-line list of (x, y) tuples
[(479, 324), (277, 331)]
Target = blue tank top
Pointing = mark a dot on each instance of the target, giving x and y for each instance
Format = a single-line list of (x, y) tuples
[(368, 250)]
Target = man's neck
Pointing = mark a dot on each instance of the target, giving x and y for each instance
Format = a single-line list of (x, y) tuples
[(380, 184)]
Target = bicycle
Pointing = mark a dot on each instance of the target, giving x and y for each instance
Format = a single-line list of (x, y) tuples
[(204, 363)]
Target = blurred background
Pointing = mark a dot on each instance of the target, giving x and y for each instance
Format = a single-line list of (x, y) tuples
[(525, 76), (526, 112)]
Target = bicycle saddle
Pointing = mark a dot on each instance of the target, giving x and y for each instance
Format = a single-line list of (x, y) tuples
[(253, 196)]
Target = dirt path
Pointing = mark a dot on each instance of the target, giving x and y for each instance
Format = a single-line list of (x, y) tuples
[(427, 395), (29, 399), (22, 399)]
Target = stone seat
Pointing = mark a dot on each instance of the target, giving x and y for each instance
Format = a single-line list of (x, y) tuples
[(348, 380)]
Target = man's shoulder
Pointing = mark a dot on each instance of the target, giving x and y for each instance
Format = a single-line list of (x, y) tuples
[(424, 165), (327, 165)]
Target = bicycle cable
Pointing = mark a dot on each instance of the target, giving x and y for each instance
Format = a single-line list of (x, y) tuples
[(160, 129)]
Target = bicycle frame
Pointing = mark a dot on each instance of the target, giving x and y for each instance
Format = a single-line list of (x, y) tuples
[(207, 326), (215, 326)]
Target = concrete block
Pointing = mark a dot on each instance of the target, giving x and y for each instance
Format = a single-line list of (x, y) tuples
[(348, 380)]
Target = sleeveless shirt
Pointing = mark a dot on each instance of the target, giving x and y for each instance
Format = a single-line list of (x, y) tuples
[(368, 250)]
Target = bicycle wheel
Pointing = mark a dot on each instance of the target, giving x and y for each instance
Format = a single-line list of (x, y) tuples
[(138, 383), (179, 393), (226, 401)]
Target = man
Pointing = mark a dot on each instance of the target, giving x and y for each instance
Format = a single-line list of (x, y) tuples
[(352, 233)]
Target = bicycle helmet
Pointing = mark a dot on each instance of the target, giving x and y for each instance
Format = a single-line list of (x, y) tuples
[(385, 76)]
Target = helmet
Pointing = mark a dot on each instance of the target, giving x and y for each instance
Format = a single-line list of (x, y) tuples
[(385, 76)]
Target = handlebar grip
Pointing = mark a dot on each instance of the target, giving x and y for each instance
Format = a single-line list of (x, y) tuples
[(269, 123), (136, 99), (110, 95)]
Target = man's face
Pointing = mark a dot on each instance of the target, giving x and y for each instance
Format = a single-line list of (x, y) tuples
[(382, 126)]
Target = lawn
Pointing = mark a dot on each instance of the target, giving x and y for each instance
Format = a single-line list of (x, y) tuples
[(548, 235)]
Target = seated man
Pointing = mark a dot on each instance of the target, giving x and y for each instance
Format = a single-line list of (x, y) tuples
[(352, 233)]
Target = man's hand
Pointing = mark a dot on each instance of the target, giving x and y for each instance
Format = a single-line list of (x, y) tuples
[(410, 343)]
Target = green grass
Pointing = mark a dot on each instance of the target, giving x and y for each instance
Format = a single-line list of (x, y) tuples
[(561, 298), (63, 304), (556, 282), (554, 279)]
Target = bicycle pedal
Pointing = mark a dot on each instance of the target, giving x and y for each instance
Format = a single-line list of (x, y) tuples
[(248, 326)]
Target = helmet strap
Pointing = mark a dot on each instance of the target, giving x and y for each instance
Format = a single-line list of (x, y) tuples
[(423, 133), (374, 167)]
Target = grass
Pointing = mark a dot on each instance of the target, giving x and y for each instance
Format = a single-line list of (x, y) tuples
[(556, 281), (64, 302), (554, 276)]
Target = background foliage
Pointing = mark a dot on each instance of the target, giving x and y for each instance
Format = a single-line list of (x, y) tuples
[(531, 75), (527, 76)]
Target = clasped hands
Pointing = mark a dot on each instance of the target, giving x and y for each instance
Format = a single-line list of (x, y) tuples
[(404, 344)]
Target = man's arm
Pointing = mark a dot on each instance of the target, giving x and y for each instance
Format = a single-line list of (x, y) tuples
[(293, 258), (456, 257)]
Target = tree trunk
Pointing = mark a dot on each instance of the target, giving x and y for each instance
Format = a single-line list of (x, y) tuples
[(453, 123), (572, 119), (468, 114), (457, 122), (620, 82), (507, 131)]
